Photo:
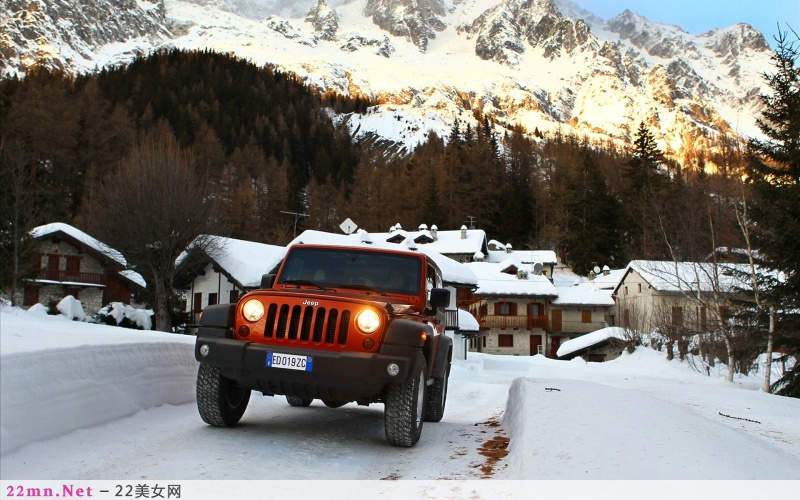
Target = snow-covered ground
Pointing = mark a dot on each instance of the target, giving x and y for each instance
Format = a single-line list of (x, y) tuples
[(86, 401)]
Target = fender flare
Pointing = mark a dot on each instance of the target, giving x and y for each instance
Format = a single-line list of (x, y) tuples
[(443, 349), (407, 333)]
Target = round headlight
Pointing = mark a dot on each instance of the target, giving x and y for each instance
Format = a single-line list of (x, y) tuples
[(368, 321), (253, 310)]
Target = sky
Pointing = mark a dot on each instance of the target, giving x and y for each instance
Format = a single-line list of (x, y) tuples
[(700, 16)]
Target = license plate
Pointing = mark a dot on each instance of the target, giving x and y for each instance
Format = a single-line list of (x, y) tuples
[(290, 361)]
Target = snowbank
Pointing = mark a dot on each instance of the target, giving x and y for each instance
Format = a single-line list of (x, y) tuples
[(577, 429), (57, 376), (71, 307), (119, 313)]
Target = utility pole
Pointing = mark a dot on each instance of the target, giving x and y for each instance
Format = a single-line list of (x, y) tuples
[(296, 218)]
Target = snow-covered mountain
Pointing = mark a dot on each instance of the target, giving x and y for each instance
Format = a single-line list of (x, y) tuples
[(545, 64)]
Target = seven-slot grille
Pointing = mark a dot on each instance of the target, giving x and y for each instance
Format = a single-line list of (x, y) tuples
[(306, 324)]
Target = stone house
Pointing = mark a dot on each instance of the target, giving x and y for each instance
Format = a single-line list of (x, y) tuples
[(73, 263), (511, 306), (675, 296)]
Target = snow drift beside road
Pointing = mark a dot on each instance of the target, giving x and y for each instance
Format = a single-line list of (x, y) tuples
[(58, 376)]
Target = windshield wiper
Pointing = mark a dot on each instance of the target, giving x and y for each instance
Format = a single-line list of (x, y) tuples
[(304, 282), (361, 287)]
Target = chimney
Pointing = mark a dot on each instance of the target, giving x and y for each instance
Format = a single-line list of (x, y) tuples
[(463, 232), (434, 232), (606, 271), (509, 248), (478, 256), (522, 274), (423, 227)]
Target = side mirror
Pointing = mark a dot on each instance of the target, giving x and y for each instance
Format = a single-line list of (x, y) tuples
[(267, 280), (440, 297)]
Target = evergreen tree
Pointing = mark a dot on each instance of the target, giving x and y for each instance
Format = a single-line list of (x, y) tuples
[(774, 172), (593, 222), (645, 184)]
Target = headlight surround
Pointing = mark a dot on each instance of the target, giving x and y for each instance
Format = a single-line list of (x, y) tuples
[(368, 321), (253, 310)]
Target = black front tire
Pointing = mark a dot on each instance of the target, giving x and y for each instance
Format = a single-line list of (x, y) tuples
[(295, 401), (437, 397), (404, 408), (220, 401)]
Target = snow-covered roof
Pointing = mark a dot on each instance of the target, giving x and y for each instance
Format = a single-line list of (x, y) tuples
[(446, 242), (56, 227), (606, 281), (244, 261), (581, 296), (134, 276), (526, 257), (668, 276), (453, 273), (91, 242), (493, 281), (590, 339), (467, 322), (564, 276)]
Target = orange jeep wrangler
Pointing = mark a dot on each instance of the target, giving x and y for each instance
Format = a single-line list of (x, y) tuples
[(338, 324)]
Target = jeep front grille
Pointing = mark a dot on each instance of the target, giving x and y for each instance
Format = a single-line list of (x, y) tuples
[(306, 324)]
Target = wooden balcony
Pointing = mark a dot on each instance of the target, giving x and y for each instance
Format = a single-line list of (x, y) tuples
[(503, 321), (72, 276)]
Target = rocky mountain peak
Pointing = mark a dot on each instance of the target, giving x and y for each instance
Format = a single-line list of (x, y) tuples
[(324, 20), (504, 31), (736, 39), (660, 40), (36, 31), (416, 20)]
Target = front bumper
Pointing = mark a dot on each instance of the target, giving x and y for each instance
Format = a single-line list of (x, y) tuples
[(336, 376)]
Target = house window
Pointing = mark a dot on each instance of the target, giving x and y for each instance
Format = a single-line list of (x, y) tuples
[(703, 323), (198, 302), (52, 262), (234, 298), (626, 290), (73, 265), (677, 316), (212, 299), (503, 309), (640, 288), (586, 316), (505, 340), (484, 341)]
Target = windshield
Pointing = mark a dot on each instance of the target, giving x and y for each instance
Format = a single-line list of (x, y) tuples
[(362, 270)]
